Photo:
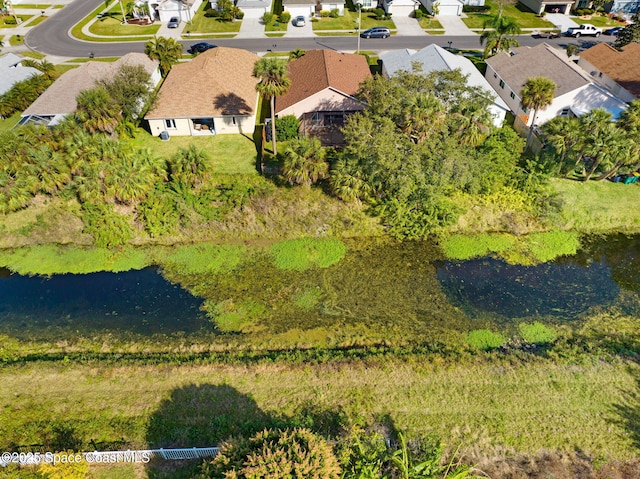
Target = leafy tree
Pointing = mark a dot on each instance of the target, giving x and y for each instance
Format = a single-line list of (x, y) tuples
[(97, 111), (629, 34), (572, 49), (166, 50), (274, 82), (536, 94), (304, 162), (228, 10), (275, 454), (287, 127), (497, 35), (130, 88)]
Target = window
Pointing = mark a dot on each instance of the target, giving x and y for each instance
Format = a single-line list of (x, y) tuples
[(513, 96), (233, 118), (600, 75), (315, 117), (333, 119), (170, 124), (565, 112), (501, 83), (495, 75)]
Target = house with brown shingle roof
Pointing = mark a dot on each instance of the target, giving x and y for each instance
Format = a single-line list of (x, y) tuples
[(617, 71), (59, 100), (575, 94), (215, 93), (323, 88)]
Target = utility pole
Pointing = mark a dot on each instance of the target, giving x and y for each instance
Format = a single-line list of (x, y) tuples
[(359, 7)]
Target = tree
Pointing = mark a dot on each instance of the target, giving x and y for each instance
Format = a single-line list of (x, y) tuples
[(47, 68), (297, 53), (629, 34), (130, 88), (304, 162), (189, 166), (536, 94), (166, 50), (274, 82), (496, 35), (564, 134), (97, 111), (572, 50), (228, 10)]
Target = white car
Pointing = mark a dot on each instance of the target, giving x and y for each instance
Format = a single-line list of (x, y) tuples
[(299, 21)]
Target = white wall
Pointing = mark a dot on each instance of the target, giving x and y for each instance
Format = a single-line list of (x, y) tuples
[(304, 10), (325, 100), (603, 80), (222, 126)]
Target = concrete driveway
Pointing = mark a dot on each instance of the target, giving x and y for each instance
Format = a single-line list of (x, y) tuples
[(562, 22)]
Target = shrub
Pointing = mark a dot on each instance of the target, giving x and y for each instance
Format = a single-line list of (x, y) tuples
[(324, 13), (334, 13), (287, 127), (379, 13), (285, 17), (485, 340), (239, 14), (537, 333), (267, 18), (107, 227), (276, 454), (475, 8), (418, 14), (212, 13), (10, 21), (301, 254)]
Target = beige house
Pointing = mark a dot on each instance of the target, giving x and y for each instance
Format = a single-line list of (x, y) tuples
[(59, 100), (617, 71), (322, 92), (215, 93)]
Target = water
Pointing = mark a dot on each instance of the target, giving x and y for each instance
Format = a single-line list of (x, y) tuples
[(141, 302)]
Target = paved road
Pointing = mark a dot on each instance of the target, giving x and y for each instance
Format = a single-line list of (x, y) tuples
[(52, 38)]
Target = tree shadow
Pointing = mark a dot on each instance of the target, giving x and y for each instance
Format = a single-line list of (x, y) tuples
[(628, 412)]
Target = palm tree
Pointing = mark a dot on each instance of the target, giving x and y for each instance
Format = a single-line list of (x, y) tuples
[(496, 35), (348, 182), (304, 162), (297, 53), (97, 111), (47, 68), (166, 50), (189, 166), (424, 115), (564, 134), (274, 82), (536, 94)]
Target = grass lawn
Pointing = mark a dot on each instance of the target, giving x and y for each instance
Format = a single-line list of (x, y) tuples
[(7, 123), (597, 206), (229, 153), (525, 17), (16, 40), (101, 59), (276, 26), (76, 31), (36, 55), (202, 24), (23, 19), (599, 21), (111, 26), (349, 22), (36, 6), (64, 68), (38, 20), (428, 23)]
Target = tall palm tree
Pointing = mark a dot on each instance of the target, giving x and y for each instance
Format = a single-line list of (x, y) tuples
[(97, 111), (564, 134), (496, 35), (166, 50), (47, 68), (304, 162), (274, 82), (536, 94), (423, 115)]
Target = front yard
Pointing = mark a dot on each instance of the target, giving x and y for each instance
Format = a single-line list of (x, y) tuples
[(349, 21), (202, 24), (598, 21), (521, 14)]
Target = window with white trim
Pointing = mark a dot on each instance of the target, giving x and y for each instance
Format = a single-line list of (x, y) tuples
[(170, 124)]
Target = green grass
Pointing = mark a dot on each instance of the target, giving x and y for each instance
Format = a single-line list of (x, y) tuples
[(598, 21), (64, 68), (101, 59), (76, 31), (36, 55), (37, 21), (349, 22), (204, 258), (202, 24), (521, 14), (35, 6), (305, 253), (23, 18), (430, 23), (596, 206), (112, 26), (230, 153), (537, 333), (485, 340), (15, 40), (7, 124)]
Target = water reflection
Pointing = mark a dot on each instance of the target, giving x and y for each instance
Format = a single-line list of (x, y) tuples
[(137, 301)]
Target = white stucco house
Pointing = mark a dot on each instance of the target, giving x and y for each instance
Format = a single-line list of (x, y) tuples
[(308, 8), (576, 94), (434, 58), (215, 93), (250, 8), (164, 10)]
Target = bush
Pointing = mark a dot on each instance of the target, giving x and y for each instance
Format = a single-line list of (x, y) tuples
[(324, 13), (285, 17), (485, 340), (287, 127), (475, 8), (267, 18), (10, 21), (334, 13), (239, 14), (107, 227), (380, 13), (276, 454), (537, 333), (212, 13), (418, 14)]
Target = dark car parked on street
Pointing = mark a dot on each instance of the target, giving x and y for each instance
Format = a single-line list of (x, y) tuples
[(200, 47), (613, 31), (376, 32)]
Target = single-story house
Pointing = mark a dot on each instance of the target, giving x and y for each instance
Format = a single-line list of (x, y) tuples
[(434, 58), (308, 8), (575, 94), (250, 8), (322, 92), (12, 71), (617, 71), (215, 93), (59, 100), (164, 10), (549, 6)]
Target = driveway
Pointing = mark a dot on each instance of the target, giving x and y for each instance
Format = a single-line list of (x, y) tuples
[(562, 22)]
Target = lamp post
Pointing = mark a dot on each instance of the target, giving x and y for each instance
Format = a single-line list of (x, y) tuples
[(449, 42), (359, 8)]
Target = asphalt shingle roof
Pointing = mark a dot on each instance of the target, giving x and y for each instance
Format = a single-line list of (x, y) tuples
[(623, 67)]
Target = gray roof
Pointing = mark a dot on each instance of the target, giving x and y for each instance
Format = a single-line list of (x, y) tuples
[(11, 71), (291, 3), (434, 58), (541, 60), (60, 97)]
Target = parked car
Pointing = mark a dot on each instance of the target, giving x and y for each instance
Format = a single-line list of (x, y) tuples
[(299, 21), (200, 47), (174, 22), (376, 32), (613, 31), (585, 29)]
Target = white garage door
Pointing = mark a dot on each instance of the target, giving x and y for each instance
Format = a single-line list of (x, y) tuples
[(402, 10), (304, 10), (449, 9)]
